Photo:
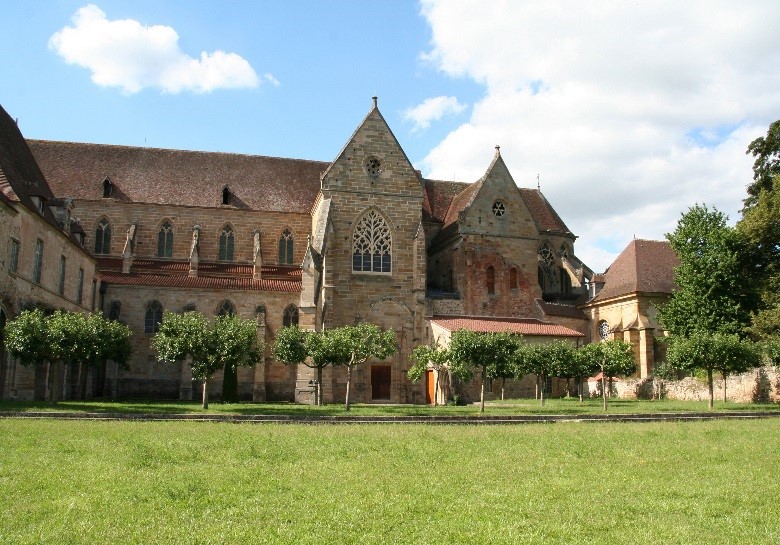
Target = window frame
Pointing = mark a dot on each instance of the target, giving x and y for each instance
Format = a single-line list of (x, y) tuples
[(38, 262), (80, 287), (376, 257), (16, 246), (227, 244), (286, 247), (152, 317), (165, 240), (61, 285), (103, 232)]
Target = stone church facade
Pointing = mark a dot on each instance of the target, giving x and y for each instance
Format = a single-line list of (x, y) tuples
[(364, 238)]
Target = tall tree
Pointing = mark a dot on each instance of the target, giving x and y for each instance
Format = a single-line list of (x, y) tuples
[(710, 352), (491, 353), (357, 345), (613, 359), (228, 341), (766, 150), (436, 358), (713, 294), (760, 227)]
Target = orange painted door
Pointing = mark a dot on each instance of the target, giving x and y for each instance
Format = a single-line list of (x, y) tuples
[(429, 384)]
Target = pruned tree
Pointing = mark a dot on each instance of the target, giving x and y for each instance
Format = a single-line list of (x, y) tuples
[(491, 353), (565, 364), (355, 345), (436, 358), (72, 339), (613, 359), (710, 352), (29, 340), (543, 361), (228, 341)]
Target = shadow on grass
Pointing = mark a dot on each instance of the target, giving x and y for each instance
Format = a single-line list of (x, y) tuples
[(555, 406)]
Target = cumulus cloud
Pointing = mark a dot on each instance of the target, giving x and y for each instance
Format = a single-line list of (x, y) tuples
[(433, 109), (629, 112), (126, 54)]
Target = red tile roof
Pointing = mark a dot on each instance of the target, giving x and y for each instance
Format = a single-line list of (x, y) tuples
[(644, 266), (185, 178), (546, 218), (525, 326), (203, 282)]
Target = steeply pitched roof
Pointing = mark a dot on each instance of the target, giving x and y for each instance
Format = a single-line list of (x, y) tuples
[(524, 326), (644, 266), (20, 176), (545, 216), (188, 178)]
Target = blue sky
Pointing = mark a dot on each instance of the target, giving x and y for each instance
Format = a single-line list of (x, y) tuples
[(628, 112)]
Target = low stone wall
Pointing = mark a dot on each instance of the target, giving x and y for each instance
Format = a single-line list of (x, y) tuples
[(759, 385)]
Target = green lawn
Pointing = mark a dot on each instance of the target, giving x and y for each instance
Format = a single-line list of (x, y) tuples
[(126, 482), (514, 406)]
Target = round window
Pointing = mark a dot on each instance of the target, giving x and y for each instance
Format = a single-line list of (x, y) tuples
[(603, 330), (499, 209), (373, 166)]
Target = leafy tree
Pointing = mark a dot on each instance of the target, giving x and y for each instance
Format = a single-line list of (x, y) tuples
[(228, 341), (67, 338), (760, 227), (543, 360), (355, 345), (567, 365), (313, 349), (429, 357), (87, 340), (710, 352), (29, 340), (491, 353), (613, 358), (766, 150), (712, 295)]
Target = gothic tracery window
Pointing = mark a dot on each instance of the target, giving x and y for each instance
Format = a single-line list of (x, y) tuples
[(286, 242), (290, 317), (103, 237), (226, 308), (165, 240), (372, 244), (546, 255), (153, 317), (226, 243)]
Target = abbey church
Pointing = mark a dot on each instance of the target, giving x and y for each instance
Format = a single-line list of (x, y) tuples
[(134, 231)]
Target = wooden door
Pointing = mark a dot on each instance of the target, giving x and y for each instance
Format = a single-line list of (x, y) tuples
[(430, 393), (380, 382)]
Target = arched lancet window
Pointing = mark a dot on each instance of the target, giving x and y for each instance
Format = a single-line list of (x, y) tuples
[(103, 237), (290, 316), (165, 240), (603, 329), (226, 308), (286, 248), (490, 274), (512, 278), (565, 281), (372, 244), (226, 244), (153, 317)]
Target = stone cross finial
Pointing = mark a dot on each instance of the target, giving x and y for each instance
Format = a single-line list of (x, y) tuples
[(194, 250)]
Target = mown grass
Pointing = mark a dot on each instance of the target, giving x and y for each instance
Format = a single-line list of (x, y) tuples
[(125, 482), (566, 406)]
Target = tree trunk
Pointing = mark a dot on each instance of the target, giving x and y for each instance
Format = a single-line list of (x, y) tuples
[(482, 393), (206, 393), (55, 382), (536, 394), (349, 383), (230, 384), (503, 383), (83, 370), (318, 392), (579, 388), (542, 381), (710, 401), (725, 376), (604, 388)]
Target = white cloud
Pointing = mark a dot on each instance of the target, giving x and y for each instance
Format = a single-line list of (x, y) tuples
[(433, 109), (629, 112), (126, 54), (271, 79)]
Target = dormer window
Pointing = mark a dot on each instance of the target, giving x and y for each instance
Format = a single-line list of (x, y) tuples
[(108, 188), (225, 195)]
